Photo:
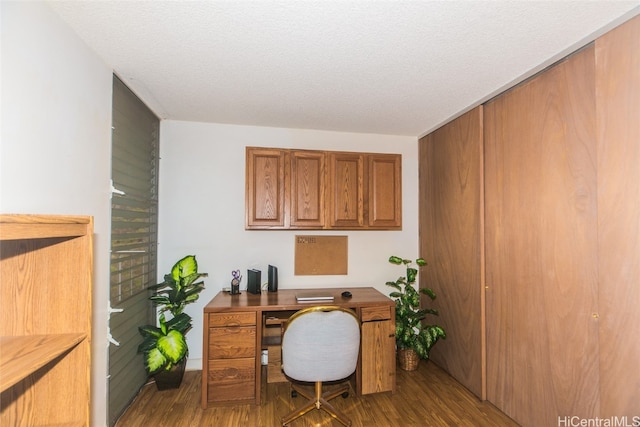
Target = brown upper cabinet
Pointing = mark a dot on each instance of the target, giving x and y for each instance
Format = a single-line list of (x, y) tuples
[(316, 190), (265, 189), (307, 196), (384, 201), (346, 180)]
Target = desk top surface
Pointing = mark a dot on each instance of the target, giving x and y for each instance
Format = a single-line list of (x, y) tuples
[(285, 299)]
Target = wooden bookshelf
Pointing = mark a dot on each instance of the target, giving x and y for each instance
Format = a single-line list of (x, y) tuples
[(45, 321)]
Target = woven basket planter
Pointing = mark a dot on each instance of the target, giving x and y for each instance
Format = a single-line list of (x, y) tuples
[(408, 359)]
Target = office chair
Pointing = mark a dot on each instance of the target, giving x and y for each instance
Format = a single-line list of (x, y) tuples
[(320, 344)]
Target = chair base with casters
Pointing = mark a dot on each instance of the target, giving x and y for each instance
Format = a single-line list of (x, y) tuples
[(319, 400), (320, 345)]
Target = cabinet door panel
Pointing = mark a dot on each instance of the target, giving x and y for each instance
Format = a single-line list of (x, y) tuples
[(346, 189), (384, 190), (378, 356), (265, 192), (307, 189)]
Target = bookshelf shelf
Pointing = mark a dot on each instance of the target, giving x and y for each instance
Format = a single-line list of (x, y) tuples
[(22, 356)]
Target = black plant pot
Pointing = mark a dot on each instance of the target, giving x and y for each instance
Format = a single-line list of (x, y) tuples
[(171, 379)]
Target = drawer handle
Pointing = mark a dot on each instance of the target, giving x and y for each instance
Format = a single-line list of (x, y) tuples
[(231, 373)]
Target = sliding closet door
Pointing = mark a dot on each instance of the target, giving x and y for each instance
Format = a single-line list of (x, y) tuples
[(451, 243), (618, 103), (541, 246)]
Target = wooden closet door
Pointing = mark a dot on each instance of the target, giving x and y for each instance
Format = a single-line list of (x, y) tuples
[(451, 241), (541, 246), (618, 107)]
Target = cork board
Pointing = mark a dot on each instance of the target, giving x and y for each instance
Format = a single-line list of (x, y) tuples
[(320, 255)]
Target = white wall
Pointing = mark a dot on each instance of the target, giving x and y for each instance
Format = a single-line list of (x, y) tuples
[(202, 210), (55, 142)]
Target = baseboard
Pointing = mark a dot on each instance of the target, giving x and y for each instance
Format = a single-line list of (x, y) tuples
[(194, 364)]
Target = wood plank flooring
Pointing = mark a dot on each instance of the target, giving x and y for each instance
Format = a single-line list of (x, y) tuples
[(425, 397)]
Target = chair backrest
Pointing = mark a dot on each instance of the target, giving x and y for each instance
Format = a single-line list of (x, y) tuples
[(321, 344)]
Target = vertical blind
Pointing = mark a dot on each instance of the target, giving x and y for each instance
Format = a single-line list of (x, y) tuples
[(134, 203), (134, 230)]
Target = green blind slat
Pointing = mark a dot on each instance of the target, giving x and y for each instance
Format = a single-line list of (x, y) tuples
[(131, 275), (135, 223), (128, 203)]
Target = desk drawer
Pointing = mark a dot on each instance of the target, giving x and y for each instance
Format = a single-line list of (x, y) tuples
[(369, 314), (226, 343), (217, 320), (230, 380)]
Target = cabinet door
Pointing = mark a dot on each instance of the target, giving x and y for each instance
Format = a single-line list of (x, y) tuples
[(346, 179), (384, 204), (308, 187), (265, 192), (378, 356)]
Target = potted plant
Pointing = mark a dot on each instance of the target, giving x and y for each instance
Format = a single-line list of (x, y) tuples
[(164, 347), (414, 338)]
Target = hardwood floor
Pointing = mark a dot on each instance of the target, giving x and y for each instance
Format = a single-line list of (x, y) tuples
[(425, 397)]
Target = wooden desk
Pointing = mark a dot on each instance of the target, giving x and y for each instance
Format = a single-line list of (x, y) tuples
[(233, 341)]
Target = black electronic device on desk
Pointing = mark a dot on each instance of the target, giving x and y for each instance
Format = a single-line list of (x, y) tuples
[(272, 284), (254, 281)]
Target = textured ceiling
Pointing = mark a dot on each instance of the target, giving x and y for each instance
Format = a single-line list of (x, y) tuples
[(389, 67)]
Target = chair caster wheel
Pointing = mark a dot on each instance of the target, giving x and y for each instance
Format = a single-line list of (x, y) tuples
[(345, 394), (294, 393)]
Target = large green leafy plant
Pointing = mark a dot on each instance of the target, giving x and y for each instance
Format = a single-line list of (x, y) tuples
[(412, 332), (165, 345)]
